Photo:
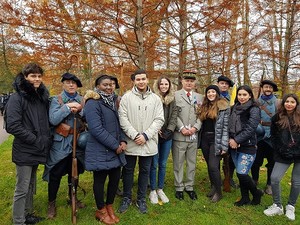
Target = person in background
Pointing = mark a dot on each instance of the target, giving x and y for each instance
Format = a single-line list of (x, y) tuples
[(268, 104), (141, 117), (104, 154), (285, 137), (185, 139), (214, 115), (63, 108), (244, 119), (224, 83), (27, 120), (163, 88)]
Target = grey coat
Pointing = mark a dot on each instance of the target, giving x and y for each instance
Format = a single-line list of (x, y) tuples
[(221, 127)]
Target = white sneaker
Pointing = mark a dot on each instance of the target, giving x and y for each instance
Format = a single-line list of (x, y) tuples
[(162, 196), (153, 197), (290, 212), (273, 210)]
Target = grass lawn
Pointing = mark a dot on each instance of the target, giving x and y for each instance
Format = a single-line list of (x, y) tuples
[(185, 212)]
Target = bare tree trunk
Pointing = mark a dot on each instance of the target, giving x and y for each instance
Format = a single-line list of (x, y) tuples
[(139, 35), (246, 42)]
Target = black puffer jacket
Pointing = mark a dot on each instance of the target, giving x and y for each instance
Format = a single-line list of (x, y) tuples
[(27, 119), (280, 139), (246, 137)]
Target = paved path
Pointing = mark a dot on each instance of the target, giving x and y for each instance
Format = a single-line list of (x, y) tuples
[(3, 134)]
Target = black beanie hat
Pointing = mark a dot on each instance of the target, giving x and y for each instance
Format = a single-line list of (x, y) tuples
[(215, 87)]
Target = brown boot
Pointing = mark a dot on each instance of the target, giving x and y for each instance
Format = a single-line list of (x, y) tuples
[(51, 210), (112, 214), (102, 215)]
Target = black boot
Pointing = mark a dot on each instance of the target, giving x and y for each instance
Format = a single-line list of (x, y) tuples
[(211, 192), (256, 193), (245, 200)]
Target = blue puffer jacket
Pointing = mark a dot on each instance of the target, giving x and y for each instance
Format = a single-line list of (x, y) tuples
[(105, 136)]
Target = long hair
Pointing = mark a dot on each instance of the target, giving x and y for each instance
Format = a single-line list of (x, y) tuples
[(285, 118), (250, 92), (208, 109), (158, 84)]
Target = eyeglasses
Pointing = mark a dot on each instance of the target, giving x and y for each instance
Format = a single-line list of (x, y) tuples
[(69, 82)]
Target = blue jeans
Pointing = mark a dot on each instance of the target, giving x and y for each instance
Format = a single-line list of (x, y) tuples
[(160, 160), (242, 161), (128, 175)]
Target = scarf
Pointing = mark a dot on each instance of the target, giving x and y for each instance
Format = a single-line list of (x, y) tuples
[(71, 97), (235, 125), (266, 97), (107, 98), (225, 95)]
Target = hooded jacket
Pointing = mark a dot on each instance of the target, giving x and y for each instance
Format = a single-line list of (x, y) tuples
[(141, 113), (27, 120)]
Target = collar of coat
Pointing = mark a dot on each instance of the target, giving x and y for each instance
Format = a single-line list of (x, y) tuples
[(27, 90), (223, 104), (142, 95), (168, 98)]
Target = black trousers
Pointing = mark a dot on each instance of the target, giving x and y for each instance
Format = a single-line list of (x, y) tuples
[(212, 161), (264, 150), (112, 186), (62, 168)]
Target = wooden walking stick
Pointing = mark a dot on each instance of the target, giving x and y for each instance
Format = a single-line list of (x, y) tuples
[(74, 179)]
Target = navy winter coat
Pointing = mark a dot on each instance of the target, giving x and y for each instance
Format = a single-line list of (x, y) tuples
[(105, 136)]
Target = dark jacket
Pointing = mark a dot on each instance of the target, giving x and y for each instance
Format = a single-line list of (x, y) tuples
[(280, 139), (105, 136), (170, 114), (27, 119), (246, 137)]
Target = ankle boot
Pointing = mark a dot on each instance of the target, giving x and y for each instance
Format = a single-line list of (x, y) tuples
[(211, 192), (112, 214), (51, 210), (102, 215), (216, 197)]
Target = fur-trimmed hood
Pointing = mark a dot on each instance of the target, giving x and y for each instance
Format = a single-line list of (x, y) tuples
[(26, 89), (168, 98), (223, 104)]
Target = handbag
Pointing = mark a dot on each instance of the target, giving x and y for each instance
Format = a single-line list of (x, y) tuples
[(288, 152)]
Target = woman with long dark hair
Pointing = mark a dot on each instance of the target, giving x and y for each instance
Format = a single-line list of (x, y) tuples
[(214, 115), (244, 119), (285, 137)]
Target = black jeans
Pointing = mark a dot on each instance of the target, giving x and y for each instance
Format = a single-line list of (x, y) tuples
[(264, 150), (112, 186), (128, 175), (212, 161)]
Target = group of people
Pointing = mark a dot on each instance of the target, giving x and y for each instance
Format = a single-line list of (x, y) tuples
[(145, 125)]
